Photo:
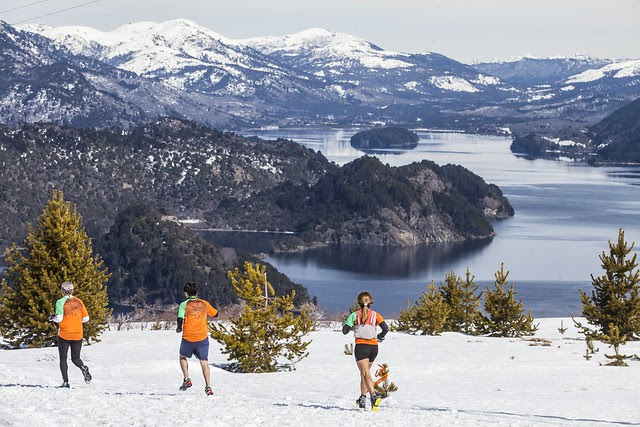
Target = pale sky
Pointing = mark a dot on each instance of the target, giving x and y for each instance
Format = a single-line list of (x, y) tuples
[(464, 30)]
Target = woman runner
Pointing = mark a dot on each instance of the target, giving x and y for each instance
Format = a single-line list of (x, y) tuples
[(364, 323)]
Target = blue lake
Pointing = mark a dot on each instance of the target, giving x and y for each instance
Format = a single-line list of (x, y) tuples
[(565, 214)]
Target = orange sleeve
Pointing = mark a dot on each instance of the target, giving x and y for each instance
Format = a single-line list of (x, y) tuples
[(210, 310), (379, 318), (85, 313)]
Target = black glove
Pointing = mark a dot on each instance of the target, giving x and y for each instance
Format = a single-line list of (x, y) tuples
[(380, 337), (51, 318), (179, 327)]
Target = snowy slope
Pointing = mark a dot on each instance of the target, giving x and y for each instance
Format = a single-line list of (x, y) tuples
[(530, 70), (323, 48), (617, 70), (183, 55), (446, 380)]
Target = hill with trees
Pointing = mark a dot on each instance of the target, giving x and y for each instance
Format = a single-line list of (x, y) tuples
[(225, 181), (614, 139), (150, 257)]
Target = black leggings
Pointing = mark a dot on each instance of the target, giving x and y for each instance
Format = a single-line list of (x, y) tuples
[(63, 348)]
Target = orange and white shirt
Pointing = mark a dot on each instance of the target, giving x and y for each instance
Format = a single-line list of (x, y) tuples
[(364, 329), (70, 315)]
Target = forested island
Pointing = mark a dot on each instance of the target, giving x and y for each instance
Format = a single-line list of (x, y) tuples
[(386, 137)]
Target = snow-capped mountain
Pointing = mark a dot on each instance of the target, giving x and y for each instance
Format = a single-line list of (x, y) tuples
[(44, 82), (529, 70), (316, 76), (359, 68), (310, 66), (184, 55)]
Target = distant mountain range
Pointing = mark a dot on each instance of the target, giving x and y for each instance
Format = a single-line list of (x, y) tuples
[(138, 72)]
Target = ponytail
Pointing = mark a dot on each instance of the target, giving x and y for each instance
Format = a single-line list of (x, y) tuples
[(364, 308)]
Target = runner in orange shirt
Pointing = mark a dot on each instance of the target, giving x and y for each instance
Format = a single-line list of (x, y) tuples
[(364, 322), (192, 322), (70, 315)]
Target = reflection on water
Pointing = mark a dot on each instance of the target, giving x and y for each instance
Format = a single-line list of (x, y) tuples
[(565, 214), (385, 261)]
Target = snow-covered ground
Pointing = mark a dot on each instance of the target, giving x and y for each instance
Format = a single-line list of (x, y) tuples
[(445, 380)]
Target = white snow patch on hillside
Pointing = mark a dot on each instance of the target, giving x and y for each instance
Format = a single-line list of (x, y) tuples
[(565, 142), (411, 85), (567, 88), (486, 80), (445, 380), (328, 47), (616, 70), (452, 83)]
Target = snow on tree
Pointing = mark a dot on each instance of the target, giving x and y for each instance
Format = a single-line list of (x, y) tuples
[(266, 330), (56, 250), (615, 299), (506, 315)]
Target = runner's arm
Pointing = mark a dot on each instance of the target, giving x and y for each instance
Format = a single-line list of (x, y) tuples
[(85, 314), (211, 312), (348, 324), (385, 330), (182, 309), (57, 317)]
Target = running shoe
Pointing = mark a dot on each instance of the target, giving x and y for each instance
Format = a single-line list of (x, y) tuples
[(186, 384)]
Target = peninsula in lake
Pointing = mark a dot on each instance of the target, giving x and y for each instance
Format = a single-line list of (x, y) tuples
[(615, 139), (224, 181)]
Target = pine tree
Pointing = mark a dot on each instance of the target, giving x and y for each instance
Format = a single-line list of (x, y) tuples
[(266, 330), (452, 296), (405, 320), (615, 299), (427, 315), (430, 312), (462, 298), (506, 315), (56, 250)]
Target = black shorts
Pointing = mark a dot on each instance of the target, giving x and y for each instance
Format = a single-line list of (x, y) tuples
[(365, 351)]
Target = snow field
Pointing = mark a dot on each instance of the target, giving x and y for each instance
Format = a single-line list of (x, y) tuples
[(451, 379)]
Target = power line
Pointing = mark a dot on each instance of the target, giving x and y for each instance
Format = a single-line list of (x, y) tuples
[(57, 11), (22, 7)]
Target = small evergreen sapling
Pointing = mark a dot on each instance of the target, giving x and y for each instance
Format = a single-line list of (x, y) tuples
[(506, 315), (382, 385), (266, 330), (615, 340), (591, 350), (56, 250), (348, 349), (562, 329)]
